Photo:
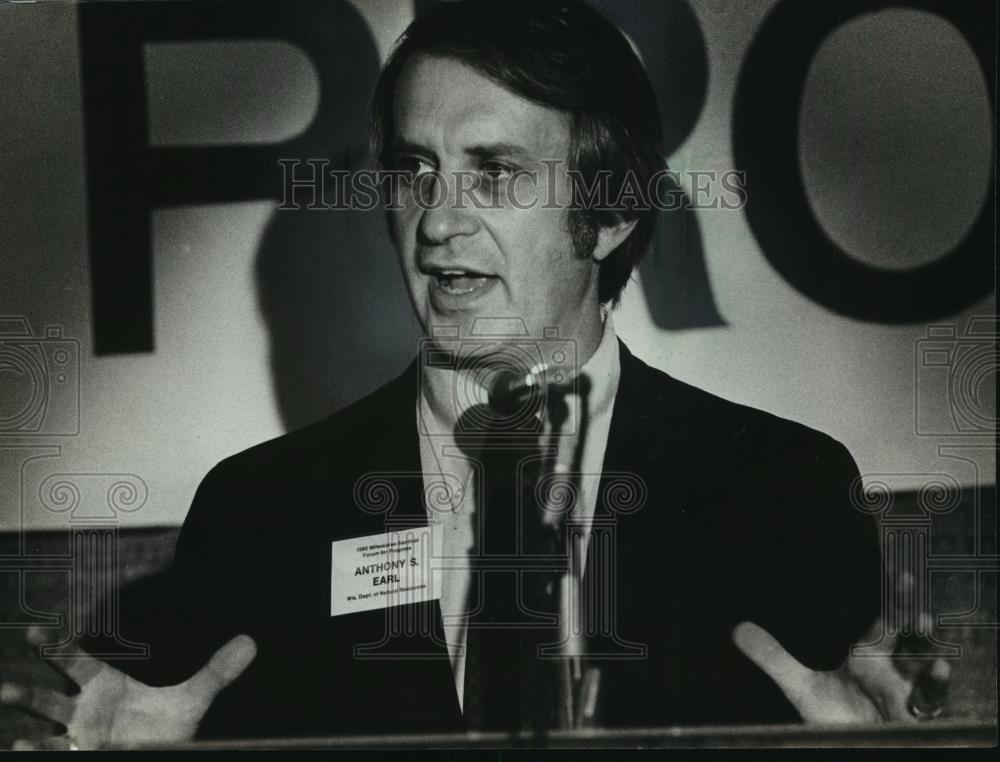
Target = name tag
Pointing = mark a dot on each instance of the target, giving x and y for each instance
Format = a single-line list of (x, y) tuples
[(383, 570)]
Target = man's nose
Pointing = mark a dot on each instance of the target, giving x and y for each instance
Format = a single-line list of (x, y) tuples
[(446, 210)]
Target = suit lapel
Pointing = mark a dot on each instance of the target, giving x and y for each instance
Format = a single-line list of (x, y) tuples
[(388, 489), (388, 496), (624, 579), (620, 525)]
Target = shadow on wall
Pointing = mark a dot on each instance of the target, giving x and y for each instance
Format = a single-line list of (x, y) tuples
[(328, 284), (672, 47), (333, 299)]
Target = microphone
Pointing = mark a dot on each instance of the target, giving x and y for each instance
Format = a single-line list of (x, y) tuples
[(513, 389)]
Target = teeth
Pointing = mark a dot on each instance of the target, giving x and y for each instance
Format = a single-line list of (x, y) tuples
[(460, 283)]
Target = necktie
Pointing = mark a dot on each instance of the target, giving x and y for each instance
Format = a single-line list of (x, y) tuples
[(509, 685)]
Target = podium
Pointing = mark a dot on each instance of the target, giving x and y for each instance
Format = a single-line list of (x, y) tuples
[(935, 733)]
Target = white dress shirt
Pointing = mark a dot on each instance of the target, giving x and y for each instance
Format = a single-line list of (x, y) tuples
[(443, 464)]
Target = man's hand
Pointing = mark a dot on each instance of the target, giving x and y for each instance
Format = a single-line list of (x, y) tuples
[(113, 710), (872, 688)]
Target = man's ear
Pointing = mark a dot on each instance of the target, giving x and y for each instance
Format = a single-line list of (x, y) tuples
[(610, 238)]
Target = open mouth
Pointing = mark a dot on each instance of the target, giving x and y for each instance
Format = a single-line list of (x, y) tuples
[(460, 282)]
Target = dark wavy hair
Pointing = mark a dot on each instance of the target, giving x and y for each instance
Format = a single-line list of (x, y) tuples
[(564, 55)]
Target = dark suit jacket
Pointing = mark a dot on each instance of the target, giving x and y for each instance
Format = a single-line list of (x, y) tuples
[(734, 514)]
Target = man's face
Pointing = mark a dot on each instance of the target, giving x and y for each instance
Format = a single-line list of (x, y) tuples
[(502, 260)]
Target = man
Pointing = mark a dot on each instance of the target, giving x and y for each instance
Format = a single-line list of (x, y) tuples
[(729, 587)]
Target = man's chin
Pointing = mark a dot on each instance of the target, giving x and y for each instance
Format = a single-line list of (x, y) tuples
[(481, 326)]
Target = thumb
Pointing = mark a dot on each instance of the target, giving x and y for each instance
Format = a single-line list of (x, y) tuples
[(758, 645), (224, 667), (930, 690)]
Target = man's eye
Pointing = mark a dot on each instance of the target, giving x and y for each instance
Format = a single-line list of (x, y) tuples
[(496, 170), (412, 166)]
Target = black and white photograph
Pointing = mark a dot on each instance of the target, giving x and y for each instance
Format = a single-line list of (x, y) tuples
[(498, 374)]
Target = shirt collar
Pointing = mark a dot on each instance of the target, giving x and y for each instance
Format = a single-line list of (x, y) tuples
[(603, 369)]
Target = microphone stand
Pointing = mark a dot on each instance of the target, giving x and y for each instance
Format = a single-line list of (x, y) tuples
[(578, 687)]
